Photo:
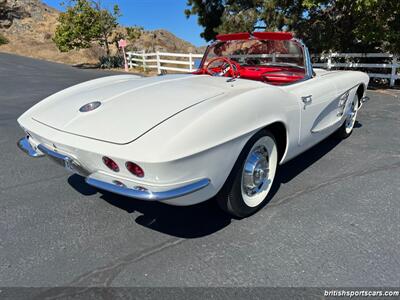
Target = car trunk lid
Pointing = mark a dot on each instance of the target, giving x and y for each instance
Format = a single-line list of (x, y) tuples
[(129, 108)]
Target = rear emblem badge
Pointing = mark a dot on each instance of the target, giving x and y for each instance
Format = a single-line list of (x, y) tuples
[(90, 106)]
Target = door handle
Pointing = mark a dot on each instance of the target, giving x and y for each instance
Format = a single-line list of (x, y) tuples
[(306, 100)]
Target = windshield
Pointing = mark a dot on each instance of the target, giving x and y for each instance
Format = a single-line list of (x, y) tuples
[(257, 52)]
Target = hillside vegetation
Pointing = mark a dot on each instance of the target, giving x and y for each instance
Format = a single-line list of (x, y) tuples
[(29, 27)]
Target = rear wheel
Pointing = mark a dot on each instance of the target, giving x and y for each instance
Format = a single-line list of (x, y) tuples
[(250, 181), (347, 128)]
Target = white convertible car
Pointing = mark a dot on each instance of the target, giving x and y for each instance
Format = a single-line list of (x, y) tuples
[(254, 103)]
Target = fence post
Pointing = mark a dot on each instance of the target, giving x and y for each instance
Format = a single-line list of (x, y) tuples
[(329, 64), (144, 60), (274, 57), (130, 60), (190, 62), (158, 63), (394, 71)]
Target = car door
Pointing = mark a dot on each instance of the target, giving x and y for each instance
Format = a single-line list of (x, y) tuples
[(317, 107)]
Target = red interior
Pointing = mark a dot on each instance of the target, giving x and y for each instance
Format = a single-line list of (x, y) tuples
[(278, 36), (233, 36), (261, 35), (271, 75)]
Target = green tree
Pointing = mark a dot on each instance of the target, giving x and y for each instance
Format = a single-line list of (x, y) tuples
[(350, 26), (83, 23), (337, 25), (209, 15)]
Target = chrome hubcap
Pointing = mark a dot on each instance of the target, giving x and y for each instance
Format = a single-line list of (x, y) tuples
[(256, 170), (351, 116)]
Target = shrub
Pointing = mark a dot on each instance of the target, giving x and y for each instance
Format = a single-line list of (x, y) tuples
[(134, 32), (108, 62), (3, 40)]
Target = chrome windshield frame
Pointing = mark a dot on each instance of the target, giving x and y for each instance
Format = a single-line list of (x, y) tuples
[(306, 56)]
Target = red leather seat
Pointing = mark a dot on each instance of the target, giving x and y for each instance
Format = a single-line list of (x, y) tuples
[(272, 75)]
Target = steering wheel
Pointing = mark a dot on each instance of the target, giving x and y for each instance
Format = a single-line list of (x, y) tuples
[(226, 68)]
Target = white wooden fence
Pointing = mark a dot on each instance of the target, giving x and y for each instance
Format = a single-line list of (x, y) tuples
[(330, 63), (158, 60), (185, 62)]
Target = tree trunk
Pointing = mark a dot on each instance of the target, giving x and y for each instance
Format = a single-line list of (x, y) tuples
[(107, 48), (106, 44)]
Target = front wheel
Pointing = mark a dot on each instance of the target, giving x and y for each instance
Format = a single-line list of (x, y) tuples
[(347, 128), (250, 181)]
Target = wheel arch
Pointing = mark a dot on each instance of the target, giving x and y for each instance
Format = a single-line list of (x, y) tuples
[(360, 92), (279, 130)]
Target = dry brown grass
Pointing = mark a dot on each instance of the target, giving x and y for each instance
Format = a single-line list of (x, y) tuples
[(48, 51)]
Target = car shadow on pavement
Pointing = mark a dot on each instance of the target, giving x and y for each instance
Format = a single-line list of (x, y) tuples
[(205, 218), (180, 221), (300, 163), (297, 165)]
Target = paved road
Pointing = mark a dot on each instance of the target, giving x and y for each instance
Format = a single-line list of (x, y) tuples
[(334, 220)]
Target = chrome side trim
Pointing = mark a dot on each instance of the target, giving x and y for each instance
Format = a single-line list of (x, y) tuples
[(25, 146), (146, 194), (326, 128)]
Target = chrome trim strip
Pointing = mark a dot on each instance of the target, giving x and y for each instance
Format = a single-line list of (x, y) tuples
[(307, 59), (326, 128), (64, 160), (146, 194), (25, 146), (52, 153)]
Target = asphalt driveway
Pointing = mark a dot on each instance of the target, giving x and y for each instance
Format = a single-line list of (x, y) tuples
[(334, 219)]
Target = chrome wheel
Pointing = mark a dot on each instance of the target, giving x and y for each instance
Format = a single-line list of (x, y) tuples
[(259, 171), (351, 115), (255, 171)]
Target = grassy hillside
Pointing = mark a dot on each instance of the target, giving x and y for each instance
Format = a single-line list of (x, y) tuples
[(29, 26)]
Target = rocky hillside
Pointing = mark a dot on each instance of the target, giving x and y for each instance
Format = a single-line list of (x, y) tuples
[(13, 10), (29, 26), (162, 40)]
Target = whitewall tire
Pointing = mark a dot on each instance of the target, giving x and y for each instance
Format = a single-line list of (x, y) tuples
[(350, 119), (247, 187)]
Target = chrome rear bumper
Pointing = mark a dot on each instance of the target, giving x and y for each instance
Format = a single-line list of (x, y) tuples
[(25, 146), (115, 187), (65, 161), (144, 194), (61, 159)]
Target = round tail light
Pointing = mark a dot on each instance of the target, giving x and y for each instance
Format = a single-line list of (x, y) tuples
[(134, 169), (110, 164)]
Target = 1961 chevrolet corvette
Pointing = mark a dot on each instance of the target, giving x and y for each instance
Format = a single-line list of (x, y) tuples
[(254, 103)]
